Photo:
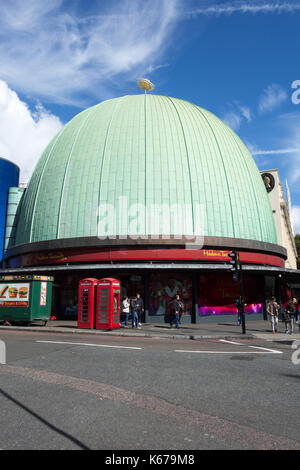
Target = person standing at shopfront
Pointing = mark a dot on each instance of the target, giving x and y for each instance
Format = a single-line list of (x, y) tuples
[(134, 313), (289, 314), (240, 310), (176, 311), (125, 310), (297, 311), (140, 310), (273, 309)]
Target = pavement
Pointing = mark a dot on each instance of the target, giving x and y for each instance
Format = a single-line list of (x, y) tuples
[(203, 330)]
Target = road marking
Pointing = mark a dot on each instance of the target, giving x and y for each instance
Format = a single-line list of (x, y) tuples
[(274, 351), (2, 352), (262, 350), (230, 352), (88, 344), (229, 342), (266, 349)]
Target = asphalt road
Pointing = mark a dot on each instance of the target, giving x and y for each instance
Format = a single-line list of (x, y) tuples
[(80, 392)]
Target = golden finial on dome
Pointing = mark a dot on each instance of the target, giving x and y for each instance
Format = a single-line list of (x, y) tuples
[(145, 84)]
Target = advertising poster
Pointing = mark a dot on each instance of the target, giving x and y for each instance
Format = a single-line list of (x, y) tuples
[(14, 295), (163, 290), (43, 297)]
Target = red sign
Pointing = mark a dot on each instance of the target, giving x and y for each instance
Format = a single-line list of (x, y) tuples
[(82, 255), (12, 303)]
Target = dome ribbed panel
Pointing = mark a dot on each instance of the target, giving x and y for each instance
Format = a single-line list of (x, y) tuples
[(167, 166), (245, 209), (45, 224), (79, 199), (123, 172), (29, 202), (208, 177), (148, 150)]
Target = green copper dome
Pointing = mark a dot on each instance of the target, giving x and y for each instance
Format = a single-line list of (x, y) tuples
[(150, 150)]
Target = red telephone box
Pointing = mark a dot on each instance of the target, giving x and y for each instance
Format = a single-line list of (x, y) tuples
[(108, 304), (86, 303)]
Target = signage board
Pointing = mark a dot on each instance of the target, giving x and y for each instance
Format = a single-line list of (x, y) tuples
[(43, 296), (14, 294)]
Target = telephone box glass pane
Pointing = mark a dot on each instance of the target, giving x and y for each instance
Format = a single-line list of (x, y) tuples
[(103, 305), (116, 318), (84, 307)]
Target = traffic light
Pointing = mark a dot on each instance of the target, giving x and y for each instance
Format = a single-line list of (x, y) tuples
[(234, 263)]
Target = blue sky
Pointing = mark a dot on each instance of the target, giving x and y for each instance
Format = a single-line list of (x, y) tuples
[(237, 59)]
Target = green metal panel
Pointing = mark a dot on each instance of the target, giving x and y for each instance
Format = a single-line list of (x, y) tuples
[(36, 309), (151, 150)]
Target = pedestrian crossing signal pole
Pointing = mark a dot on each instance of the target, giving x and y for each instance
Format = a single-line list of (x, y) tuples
[(242, 297), (236, 268)]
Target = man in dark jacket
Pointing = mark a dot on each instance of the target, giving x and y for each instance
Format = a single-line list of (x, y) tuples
[(176, 310), (288, 317), (140, 307), (134, 312)]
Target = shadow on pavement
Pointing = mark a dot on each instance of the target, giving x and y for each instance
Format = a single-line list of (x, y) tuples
[(40, 418)]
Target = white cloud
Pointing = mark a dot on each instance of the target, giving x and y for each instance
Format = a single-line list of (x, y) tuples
[(49, 49), (296, 219), (246, 113), (244, 7), (24, 134), (234, 116), (232, 119), (275, 152), (273, 96)]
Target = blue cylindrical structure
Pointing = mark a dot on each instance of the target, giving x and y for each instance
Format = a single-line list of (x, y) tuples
[(14, 198), (9, 176)]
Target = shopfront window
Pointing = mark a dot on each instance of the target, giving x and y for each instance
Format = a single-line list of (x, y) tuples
[(69, 296), (164, 287), (217, 294), (131, 284)]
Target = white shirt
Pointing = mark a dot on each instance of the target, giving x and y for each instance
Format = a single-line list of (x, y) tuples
[(125, 305)]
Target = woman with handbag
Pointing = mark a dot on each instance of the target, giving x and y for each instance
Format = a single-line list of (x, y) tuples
[(273, 309)]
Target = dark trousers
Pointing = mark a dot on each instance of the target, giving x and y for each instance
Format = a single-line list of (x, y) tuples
[(139, 314), (174, 318), (135, 320)]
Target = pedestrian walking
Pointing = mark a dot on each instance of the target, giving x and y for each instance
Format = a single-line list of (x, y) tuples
[(240, 308), (181, 309), (297, 311), (176, 311), (134, 310), (125, 309), (288, 317), (140, 310), (273, 309)]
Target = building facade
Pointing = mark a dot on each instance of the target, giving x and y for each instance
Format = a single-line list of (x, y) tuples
[(281, 214), (157, 192)]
